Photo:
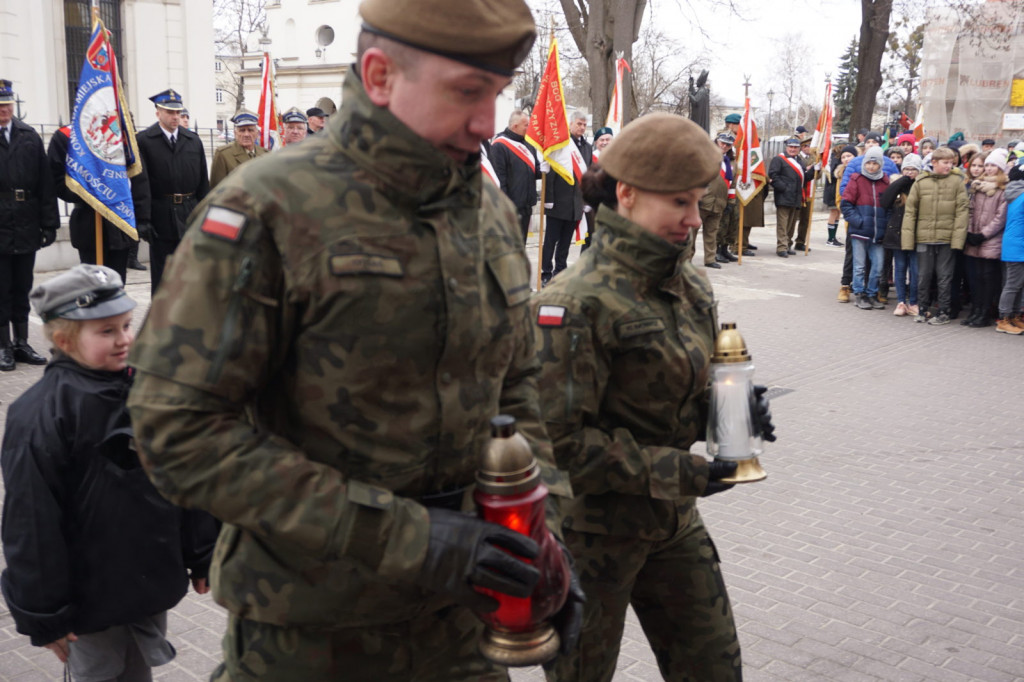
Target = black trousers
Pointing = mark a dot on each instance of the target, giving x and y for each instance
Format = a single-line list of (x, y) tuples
[(525, 213), (115, 260), (159, 251), (558, 237), (15, 283), (986, 281)]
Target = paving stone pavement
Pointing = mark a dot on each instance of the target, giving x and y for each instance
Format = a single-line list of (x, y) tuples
[(886, 543)]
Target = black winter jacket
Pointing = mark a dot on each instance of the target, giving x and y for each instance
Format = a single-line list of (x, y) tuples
[(88, 540), (83, 219), (787, 186), (182, 171), (23, 167), (567, 199), (518, 181)]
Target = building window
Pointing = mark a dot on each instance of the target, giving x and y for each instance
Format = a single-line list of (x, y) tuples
[(218, 65), (220, 96), (78, 30)]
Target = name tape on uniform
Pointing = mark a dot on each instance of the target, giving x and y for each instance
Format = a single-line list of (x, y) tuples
[(551, 316), (224, 223)]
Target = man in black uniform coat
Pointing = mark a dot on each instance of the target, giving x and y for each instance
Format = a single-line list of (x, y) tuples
[(175, 161), (517, 166), (28, 222), (563, 206), (117, 246)]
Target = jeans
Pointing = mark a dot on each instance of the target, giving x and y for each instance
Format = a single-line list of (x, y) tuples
[(862, 250), (904, 262)]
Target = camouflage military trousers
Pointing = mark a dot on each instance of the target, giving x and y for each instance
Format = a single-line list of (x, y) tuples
[(677, 591), (437, 647)]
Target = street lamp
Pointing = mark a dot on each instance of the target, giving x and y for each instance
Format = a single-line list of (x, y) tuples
[(768, 126)]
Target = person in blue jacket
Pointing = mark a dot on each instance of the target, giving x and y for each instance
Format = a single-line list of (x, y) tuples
[(863, 211), (889, 167)]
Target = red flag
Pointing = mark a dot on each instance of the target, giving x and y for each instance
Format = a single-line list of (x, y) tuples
[(750, 170), (549, 125), (614, 120), (270, 125), (822, 139)]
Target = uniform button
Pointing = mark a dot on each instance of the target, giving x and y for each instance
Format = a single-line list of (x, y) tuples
[(446, 378), (453, 283)]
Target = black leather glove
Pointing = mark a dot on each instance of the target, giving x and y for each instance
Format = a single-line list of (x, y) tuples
[(145, 231), (464, 551), (763, 414), (975, 238), (49, 237), (569, 620), (717, 470)]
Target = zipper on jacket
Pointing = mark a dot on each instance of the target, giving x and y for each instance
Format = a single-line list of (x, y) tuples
[(230, 320), (574, 342)]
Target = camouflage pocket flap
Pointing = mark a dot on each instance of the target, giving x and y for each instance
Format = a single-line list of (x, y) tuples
[(366, 264), (513, 276)]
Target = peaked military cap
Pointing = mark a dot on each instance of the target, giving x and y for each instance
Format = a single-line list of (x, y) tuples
[(494, 35), (294, 115), (85, 292), (734, 118), (168, 99), (662, 153), (245, 118), (726, 138), (6, 92), (793, 142), (184, 111)]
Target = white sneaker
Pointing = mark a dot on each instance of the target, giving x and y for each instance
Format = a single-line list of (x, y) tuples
[(901, 309), (912, 309)]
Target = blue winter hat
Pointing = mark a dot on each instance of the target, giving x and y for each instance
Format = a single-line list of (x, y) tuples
[(168, 99)]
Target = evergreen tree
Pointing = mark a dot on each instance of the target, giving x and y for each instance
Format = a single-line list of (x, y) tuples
[(845, 85)]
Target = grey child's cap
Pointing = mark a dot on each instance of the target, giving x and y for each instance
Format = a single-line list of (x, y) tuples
[(85, 292)]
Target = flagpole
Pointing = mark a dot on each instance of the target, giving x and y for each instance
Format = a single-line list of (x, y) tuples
[(98, 222), (739, 230), (817, 159)]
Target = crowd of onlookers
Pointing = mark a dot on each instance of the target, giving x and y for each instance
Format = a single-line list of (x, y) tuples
[(942, 224)]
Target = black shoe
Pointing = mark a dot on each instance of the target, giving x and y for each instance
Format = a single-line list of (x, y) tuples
[(863, 302), (25, 353), (729, 254), (719, 258), (714, 265), (6, 359), (134, 264), (748, 253), (782, 254), (800, 247), (978, 322), (970, 318), (751, 246), (791, 252)]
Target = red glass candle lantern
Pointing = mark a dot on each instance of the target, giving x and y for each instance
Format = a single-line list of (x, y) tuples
[(509, 492)]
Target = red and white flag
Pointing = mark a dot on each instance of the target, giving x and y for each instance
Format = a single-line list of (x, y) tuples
[(549, 124), (822, 138), (270, 124), (918, 126), (614, 120), (750, 170)]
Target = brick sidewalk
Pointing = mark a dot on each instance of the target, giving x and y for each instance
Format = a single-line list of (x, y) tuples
[(886, 543)]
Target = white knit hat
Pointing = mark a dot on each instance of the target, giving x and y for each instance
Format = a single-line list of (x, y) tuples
[(997, 157)]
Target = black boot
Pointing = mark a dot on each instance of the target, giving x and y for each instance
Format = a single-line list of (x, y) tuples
[(22, 351), (720, 255), (728, 254), (134, 264), (6, 352)]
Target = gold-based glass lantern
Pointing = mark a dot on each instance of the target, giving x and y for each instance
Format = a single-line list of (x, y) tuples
[(732, 433)]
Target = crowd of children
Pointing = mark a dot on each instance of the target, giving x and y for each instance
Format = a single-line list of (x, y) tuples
[(943, 224)]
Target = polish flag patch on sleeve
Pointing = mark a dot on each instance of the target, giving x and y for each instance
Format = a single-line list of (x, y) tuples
[(223, 223), (551, 316)]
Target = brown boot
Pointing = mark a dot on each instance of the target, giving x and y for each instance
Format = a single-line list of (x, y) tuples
[(844, 294), (1017, 322), (1007, 327)]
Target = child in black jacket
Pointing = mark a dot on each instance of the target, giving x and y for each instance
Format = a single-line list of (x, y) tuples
[(95, 556)]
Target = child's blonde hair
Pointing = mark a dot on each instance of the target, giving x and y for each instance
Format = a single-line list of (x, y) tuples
[(943, 153), (61, 332)]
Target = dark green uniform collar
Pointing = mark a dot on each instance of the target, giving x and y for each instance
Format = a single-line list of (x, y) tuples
[(391, 152), (626, 242)]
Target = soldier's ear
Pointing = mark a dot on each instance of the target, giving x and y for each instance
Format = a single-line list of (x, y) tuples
[(378, 71), (625, 194)]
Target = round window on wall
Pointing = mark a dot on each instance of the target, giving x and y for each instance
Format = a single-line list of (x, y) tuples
[(324, 36)]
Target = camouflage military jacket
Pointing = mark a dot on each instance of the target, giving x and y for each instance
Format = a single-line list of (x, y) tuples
[(335, 331), (625, 338)]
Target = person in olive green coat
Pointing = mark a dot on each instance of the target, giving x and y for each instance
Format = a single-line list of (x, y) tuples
[(625, 337), (243, 149), (337, 329)]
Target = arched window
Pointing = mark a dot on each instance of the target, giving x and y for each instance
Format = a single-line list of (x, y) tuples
[(78, 30)]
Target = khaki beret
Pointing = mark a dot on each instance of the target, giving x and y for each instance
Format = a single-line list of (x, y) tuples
[(495, 35), (662, 153)]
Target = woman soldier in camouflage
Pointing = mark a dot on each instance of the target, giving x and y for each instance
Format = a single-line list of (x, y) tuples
[(625, 337)]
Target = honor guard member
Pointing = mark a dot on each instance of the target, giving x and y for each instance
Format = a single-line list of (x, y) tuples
[(804, 222), (625, 338), (316, 119), (244, 148), (602, 138), (728, 229), (713, 205), (338, 327), (184, 117), (28, 222), (732, 124), (563, 206), (517, 167), (788, 177), (294, 126), (176, 163), (117, 245)]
